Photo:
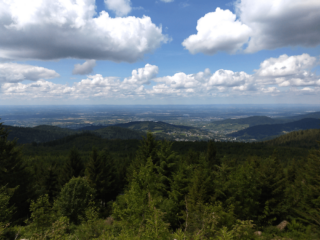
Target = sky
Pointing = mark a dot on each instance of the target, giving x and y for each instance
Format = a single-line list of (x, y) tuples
[(66, 52)]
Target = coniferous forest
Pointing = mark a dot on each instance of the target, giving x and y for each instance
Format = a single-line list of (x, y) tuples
[(85, 187)]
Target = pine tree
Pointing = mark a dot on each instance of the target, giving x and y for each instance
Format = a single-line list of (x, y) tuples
[(14, 175), (73, 168)]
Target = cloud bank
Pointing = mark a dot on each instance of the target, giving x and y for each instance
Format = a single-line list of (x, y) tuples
[(14, 72), (257, 25), (275, 77), (45, 29)]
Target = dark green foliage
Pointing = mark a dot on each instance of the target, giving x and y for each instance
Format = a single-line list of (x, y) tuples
[(101, 176), (74, 199), (74, 166), (170, 190), (301, 139), (51, 183), (37, 134), (147, 149), (13, 175), (212, 154)]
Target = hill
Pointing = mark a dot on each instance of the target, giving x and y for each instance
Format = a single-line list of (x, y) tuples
[(251, 121), (302, 116), (39, 134), (114, 132), (261, 132), (298, 139), (154, 126), (91, 128)]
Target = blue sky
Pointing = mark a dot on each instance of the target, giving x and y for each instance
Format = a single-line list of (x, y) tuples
[(159, 52)]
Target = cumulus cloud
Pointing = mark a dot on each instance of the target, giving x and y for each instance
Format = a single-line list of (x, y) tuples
[(85, 68), (167, 1), (258, 25), (288, 71), (14, 72), (281, 23), (45, 29), (142, 75), (218, 31), (120, 7), (275, 77)]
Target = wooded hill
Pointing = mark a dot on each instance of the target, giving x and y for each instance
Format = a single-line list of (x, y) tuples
[(132, 130), (252, 121), (261, 132), (86, 187), (155, 126), (263, 120)]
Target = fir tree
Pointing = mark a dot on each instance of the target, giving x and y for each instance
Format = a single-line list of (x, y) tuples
[(211, 156), (14, 175), (73, 168), (101, 175), (51, 183), (147, 149)]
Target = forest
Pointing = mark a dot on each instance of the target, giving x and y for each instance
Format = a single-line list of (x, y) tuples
[(86, 187)]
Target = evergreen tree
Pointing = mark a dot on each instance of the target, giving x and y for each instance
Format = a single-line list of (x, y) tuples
[(74, 199), (147, 149), (211, 156), (14, 176), (101, 175), (167, 164), (51, 183), (73, 167), (308, 186)]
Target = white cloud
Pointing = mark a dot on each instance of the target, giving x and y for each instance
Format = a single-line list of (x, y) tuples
[(85, 68), (281, 23), (120, 7), (288, 71), (45, 29), (142, 75), (14, 72), (259, 25), (275, 77), (166, 1), (218, 31)]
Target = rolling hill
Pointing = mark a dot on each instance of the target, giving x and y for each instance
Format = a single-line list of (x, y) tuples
[(300, 139), (154, 126), (260, 132), (42, 133), (252, 121), (114, 132)]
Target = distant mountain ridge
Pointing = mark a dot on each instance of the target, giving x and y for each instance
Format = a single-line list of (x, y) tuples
[(301, 139), (153, 126), (263, 120), (251, 121), (260, 132), (126, 131)]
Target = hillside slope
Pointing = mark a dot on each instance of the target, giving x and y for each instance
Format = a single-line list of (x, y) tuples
[(154, 126), (39, 134), (251, 121), (300, 139), (114, 132), (260, 132)]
